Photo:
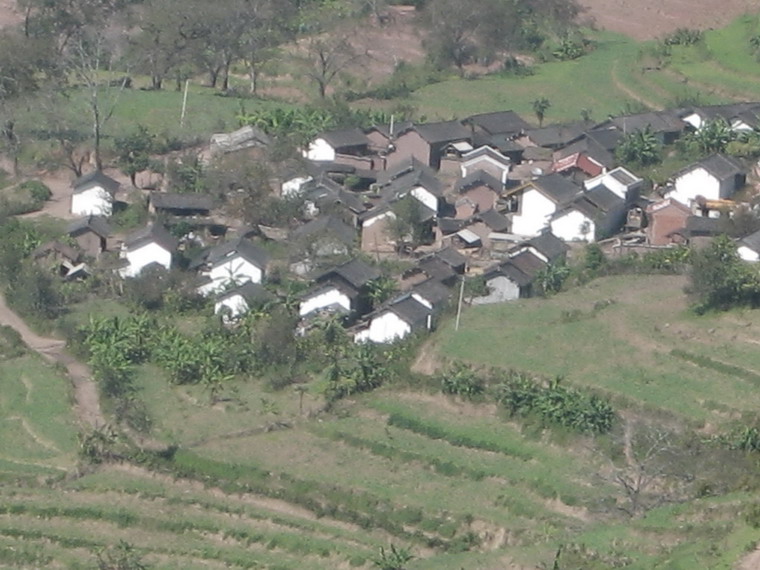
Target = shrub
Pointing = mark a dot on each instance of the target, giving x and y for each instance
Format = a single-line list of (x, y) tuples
[(38, 191)]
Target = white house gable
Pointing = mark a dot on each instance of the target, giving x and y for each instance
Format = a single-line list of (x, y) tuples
[(95, 201), (233, 270), (320, 149), (324, 298), (533, 213), (573, 226), (143, 256), (234, 306), (693, 183), (385, 327)]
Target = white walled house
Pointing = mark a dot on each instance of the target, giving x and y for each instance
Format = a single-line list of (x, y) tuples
[(535, 202), (93, 195), (327, 146), (748, 247), (511, 279), (342, 289), (148, 246), (595, 214), (619, 180), (396, 322), (716, 177), (231, 263), (487, 159), (236, 302)]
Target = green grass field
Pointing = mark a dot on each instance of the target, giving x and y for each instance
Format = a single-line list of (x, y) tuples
[(38, 426), (623, 350)]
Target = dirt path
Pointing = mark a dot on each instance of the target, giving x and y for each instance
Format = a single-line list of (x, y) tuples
[(87, 403), (630, 92)]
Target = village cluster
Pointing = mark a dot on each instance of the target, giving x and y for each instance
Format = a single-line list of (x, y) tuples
[(492, 196)]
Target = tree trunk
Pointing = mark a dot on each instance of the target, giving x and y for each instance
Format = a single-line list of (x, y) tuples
[(213, 77)]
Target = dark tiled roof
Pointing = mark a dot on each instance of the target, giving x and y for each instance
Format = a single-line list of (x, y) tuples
[(451, 257), (327, 226), (253, 293), (752, 241), (557, 188), (411, 311), (55, 246), (720, 166), (173, 201), (96, 178), (442, 132), (96, 224), (432, 291), (479, 178), (153, 233), (549, 245), (656, 121), (238, 247), (345, 138), (406, 182), (485, 150), (556, 135), (499, 123), (494, 220), (398, 128), (702, 226), (603, 198), (434, 268), (450, 225), (356, 273)]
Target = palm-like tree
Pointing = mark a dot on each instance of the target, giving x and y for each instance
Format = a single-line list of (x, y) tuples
[(540, 107), (640, 147), (714, 136)]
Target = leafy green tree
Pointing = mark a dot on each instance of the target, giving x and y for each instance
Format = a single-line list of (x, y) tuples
[(461, 380), (540, 107), (382, 289), (552, 277), (720, 280), (123, 556), (134, 152), (640, 147), (713, 136), (393, 558)]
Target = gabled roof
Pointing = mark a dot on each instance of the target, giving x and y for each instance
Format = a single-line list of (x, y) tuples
[(521, 269), (238, 247), (603, 198), (479, 178), (712, 112), (655, 207), (451, 257), (556, 187), (549, 245), (494, 220), (411, 311), (401, 185), (253, 293), (703, 226), (598, 145), (555, 135), (442, 132), (344, 138), (176, 201), (56, 246), (720, 166), (327, 226), (752, 241), (95, 224), (244, 137), (499, 122), (96, 178), (356, 273), (435, 268), (155, 233), (450, 225), (656, 121), (432, 291), (485, 151), (385, 130)]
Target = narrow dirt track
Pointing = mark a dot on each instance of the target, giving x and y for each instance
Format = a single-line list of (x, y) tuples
[(87, 403)]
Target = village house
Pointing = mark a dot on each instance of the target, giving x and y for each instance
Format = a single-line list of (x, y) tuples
[(553, 136), (748, 247), (532, 204), (698, 231), (426, 142), (546, 246), (486, 159), (595, 214), (344, 146), (477, 192), (173, 205), (244, 138), (716, 177), (666, 126), (324, 236), (396, 321), (93, 195), (590, 155), (511, 279), (740, 116), (236, 302), (619, 180), (342, 290), (664, 218), (151, 245), (411, 177), (229, 264), (91, 234), (499, 126), (62, 259)]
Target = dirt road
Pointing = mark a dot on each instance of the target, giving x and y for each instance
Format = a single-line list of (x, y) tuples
[(87, 403)]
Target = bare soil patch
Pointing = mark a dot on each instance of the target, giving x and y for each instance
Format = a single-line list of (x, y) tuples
[(649, 19)]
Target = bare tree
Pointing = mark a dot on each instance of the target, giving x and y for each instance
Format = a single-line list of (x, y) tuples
[(90, 57), (326, 57)]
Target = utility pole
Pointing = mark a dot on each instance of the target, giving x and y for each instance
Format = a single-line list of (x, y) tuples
[(459, 305), (184, 105)]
